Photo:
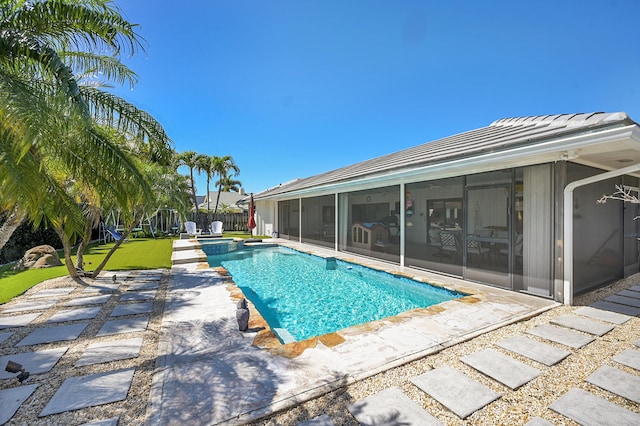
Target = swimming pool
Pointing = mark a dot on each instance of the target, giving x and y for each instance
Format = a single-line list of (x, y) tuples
[(302, 296)]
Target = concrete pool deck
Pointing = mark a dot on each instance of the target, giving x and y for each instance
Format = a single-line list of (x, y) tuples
[(211, 373)]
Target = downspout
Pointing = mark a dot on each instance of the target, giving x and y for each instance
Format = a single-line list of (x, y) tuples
[(402, 223), (567, 293)]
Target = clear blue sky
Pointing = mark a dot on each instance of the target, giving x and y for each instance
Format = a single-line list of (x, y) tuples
[(296, 88)]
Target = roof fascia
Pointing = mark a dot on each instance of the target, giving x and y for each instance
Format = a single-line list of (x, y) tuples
[(560, 149)]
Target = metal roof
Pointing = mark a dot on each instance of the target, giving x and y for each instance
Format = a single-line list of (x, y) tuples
[(500, 135)]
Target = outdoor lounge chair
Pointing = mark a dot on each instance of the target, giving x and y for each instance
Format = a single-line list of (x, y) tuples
[(216, 227), (190, 228)]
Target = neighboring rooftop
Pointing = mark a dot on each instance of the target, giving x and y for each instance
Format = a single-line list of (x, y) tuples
[(501, 135)]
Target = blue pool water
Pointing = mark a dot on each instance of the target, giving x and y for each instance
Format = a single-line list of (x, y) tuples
[(302, 296)]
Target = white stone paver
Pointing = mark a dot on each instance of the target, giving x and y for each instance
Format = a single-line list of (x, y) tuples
[(5, 336), (132, 309), (629, 301), (537, 351), (30, 305), (89, 391), (113, 421), (59, 291), (11, 399), (138, 295), (53, 334), (455, 390), (590, 410), (102, 288), (91, 300), (75, 314), (129, 325), (10, 321), (500, 367), (144, 285), (617, 381), (630, 358), (110, 351), (391, 407), (582, 324), (608, 316), (560, 335), (33, 362), (616, 307)]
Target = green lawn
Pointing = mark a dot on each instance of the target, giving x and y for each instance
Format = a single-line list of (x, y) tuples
[(137, 253)]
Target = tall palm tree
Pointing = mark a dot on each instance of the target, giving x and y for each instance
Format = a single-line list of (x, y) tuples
[(192, 160), (223, 167), (49, 120), (229, 184)]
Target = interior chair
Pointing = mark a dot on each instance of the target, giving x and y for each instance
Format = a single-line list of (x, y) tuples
[(474, 247), (434, 241), (449, 244)]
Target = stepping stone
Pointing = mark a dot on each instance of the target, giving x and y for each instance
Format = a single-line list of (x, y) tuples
[(5, 336), (93, 300), (629, 293), (11, 399), (390, 407), (537, 351), (629, 301), (75, 314), (129, 325), (563, 336), (617, 381), (502, 368), (630, 358), (89, 391), (132, 309), (588, 409), (31, 305), (110, 351), (455, 390), (608, 316), (33, 362), (323, 420), (637, 343), (101, 288), (634, 288), (10, 321), (145, 285), (113, 421), (60, 291), (583, 324), (138, 295), (616, 307), (538, 421), (53, 334)]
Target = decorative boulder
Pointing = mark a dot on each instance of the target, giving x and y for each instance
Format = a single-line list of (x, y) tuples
[(39, 257), (242, 315)]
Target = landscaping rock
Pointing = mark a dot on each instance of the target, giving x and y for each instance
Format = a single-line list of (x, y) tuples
[(43, 256)]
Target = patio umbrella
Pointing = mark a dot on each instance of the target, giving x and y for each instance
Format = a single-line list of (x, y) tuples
[(252, 211)]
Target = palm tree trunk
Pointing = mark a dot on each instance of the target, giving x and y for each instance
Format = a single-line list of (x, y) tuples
[(66, 246), (84, 243), (193, 190), (215, 211), (9, 226), (118, 243)]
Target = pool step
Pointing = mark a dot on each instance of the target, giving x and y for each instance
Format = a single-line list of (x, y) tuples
[(188, 256)]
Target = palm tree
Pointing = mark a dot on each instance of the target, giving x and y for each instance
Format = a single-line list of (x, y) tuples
[(205, 164), (192, 160), (229, 184), (48, 121), (223, 166)]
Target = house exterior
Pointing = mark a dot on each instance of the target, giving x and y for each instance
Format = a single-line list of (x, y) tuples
[(512, 205), (233, 202)]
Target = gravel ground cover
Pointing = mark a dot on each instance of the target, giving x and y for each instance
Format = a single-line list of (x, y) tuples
[(130, 411), (514, 407)]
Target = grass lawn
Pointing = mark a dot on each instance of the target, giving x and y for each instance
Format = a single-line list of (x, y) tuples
[(137, 253)]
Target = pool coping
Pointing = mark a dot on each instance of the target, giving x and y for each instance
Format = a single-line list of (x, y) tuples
[(368, 349)]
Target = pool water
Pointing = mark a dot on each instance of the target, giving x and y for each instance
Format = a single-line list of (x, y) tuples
[(302, 296)]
